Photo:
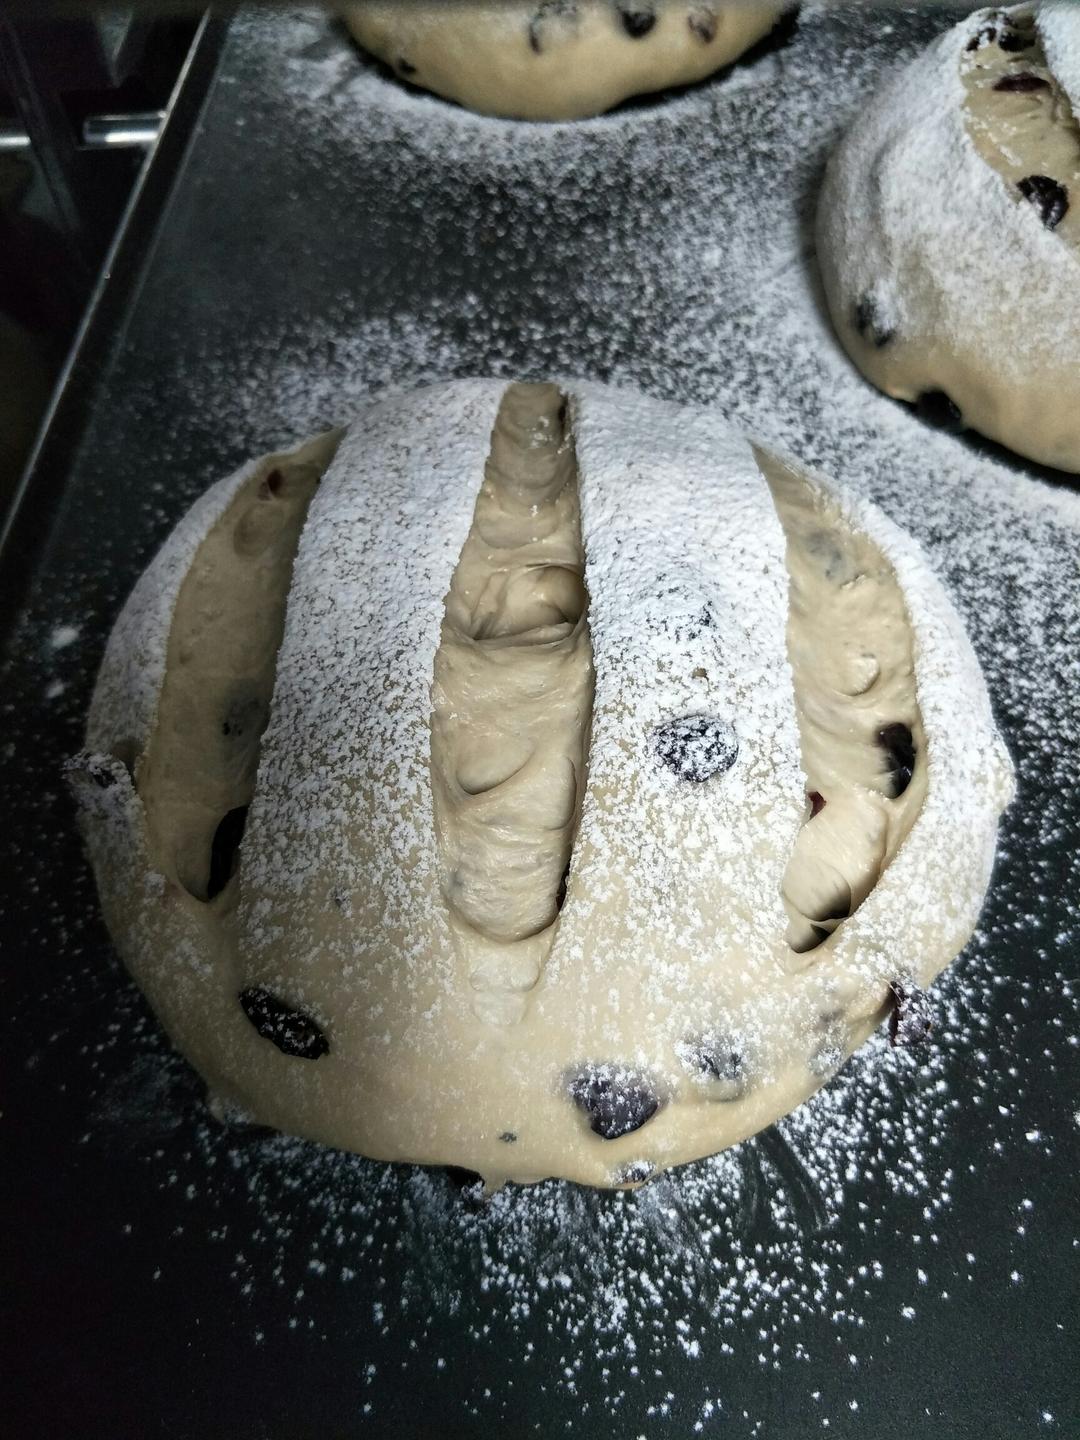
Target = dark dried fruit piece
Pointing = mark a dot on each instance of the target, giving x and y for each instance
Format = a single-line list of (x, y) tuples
[(635, 1173), (689, 627), (616, 1101), (935, 407), (293, 1032), (223, 850), (909, 1021), (96, 769), (1021, 83), (637, 19), (870, 324), (1049, 197), (508, 1137), (899, 745), (102, 770), (703, 24), (817, 802), (1000, 26), (720, 1063), (1012, 40), (548, 10), (244, 716), (696, 747)]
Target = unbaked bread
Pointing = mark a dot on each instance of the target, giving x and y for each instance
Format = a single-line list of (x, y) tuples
[(540, 780), (949, 231), (557, 59)]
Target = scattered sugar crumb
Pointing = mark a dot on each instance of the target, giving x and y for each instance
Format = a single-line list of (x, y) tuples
[(62, 636)]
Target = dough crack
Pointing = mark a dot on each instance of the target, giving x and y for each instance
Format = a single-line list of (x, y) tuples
[(861, 733), (197, 776), (512, 702)]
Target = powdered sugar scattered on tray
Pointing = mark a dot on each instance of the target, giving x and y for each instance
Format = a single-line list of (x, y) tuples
[(668, 248)]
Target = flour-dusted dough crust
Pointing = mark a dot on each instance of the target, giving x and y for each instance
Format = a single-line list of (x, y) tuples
[(584, 715), (557, 59), (949, 231)]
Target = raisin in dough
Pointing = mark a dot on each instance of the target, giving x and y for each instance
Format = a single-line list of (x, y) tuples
[(949, 232), (557, 59), (536, 779)]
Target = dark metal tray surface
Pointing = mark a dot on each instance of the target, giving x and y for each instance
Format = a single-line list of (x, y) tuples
[(897, 1259)]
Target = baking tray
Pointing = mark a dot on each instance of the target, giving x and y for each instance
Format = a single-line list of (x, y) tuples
[(900, 1257)]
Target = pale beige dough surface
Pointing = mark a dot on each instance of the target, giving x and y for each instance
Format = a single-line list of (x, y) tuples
[(557, 59), (851, 652), (511, 705), (508, 629), (949, 231)]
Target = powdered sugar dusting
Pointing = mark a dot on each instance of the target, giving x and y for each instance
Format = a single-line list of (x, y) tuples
[(688, 271), (397, 492), (1061, 40)]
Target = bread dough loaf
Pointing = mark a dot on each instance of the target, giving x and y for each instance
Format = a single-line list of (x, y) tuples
[(949, 232), (557, 59), (556, 786)]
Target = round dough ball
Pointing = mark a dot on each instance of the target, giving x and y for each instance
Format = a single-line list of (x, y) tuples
[(557, 59), (949, 232), (538, 780)]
